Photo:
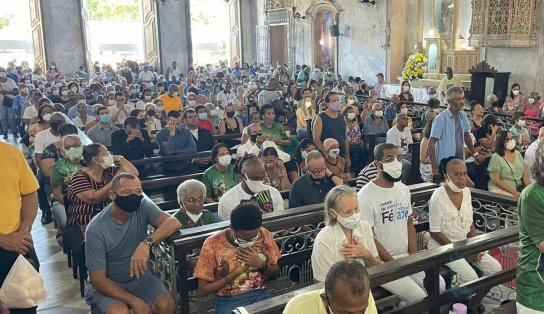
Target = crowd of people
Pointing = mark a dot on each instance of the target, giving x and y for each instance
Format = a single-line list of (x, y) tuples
[(301, 130)]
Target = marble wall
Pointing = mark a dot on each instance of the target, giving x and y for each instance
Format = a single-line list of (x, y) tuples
[(63, 40)]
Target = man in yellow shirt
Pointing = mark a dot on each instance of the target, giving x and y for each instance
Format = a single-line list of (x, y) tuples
[(18, 208), (448, 82), (171, 100), (347, 290)]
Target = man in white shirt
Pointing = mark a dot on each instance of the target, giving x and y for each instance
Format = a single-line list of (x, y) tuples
[(386, 205), (120, 112), (175, 70), (530, 154), (97, 74), (250, 189), (145, 76), (401, 136), (31, 111), (316, 75), (225, 96)]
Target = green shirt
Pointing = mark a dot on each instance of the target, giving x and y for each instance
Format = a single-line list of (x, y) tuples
[(218, 183), (517, 133), (276, 130), (61, 174), (206, 219), (511, 174), (530, 268)]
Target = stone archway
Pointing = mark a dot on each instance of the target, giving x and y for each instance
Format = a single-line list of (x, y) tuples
[(323, 14)]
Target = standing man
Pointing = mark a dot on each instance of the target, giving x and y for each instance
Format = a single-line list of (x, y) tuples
[(450, 133), (331, 124), (18, 208), (448, 82)]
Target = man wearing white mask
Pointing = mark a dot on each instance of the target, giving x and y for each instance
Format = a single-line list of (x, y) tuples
[(401, 136), (386, 205), (375, 124), (530, 154), (250, 189)]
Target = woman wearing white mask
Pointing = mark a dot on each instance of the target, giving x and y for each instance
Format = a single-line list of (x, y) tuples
[(356, 146), (334, 161), (220, 177), (52, 73), (306, 111), (533, 105), (89, 192), (507, 174), (520, 129), (191, 196), (251, 188), (451, 220), (144, 99), (403, 108), (345, 235), (405, 94), (276, 175), (515, 101)]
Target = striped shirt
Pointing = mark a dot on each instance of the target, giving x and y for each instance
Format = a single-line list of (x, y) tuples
[(369, 173), (80, 213)]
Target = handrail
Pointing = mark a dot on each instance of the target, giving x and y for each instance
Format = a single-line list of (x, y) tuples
[(427, 261), (161, 159)]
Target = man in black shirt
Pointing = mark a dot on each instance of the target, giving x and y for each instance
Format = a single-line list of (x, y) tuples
[(202, 137), (313, 186), (131, 142)]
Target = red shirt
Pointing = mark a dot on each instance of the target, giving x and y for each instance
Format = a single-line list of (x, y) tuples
[(206, 124)]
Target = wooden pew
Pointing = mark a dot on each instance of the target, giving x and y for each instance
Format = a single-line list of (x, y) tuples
[(429, 262)]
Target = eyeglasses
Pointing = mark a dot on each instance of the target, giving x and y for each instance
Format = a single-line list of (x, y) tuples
[(316, 171), (391, 159)]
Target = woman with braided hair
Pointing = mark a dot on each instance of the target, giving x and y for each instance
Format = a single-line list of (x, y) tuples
[(251, 172)]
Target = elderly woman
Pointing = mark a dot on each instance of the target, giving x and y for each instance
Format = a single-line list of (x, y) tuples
[(219, 178), (507, 174), (191, 195), (451, 220), (275, 172), (334, 161)]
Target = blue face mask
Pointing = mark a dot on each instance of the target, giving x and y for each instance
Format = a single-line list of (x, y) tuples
[(105, 118)]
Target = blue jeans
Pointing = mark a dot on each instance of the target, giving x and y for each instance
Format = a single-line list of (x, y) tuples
[(225, 305), (8, 119)]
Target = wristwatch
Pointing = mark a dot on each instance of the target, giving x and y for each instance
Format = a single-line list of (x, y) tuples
[(149, 241), (476, 154)]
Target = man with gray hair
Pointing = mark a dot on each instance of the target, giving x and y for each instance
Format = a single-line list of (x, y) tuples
[(314, 185), (450, 132), (347, 289), (117, 252)]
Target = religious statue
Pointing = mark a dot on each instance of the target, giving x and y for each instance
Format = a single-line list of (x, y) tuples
[(447, 14)]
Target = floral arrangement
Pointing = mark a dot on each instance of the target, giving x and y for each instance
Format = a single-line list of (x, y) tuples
[(414, 67)]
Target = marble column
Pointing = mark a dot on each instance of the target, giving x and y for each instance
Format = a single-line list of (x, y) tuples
[(540, 38), (396, 50), (62, 34), (456, 24), (175, 34), (420, 27)]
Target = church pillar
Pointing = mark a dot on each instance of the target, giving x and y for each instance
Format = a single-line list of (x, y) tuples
[(175, 34), (397, 19), (421, 19), (248, 36), (456, 24), (37, 33), (151, 36), (62, 28), (540, 38)]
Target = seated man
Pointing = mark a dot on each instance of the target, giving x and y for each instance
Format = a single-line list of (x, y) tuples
[(375, 124), (130, 142), (202, 137), (314, 185), (255, 142), (391, 110), (117, 252), (401, 136), (250, 189), (386, 205), (101, 133), (347, 290), (175, 140), (451, 220), (191, 196), (234, 263)]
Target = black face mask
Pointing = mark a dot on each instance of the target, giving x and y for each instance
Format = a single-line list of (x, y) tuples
[(495, 104), (129, 203), (253, 137), (151, 113), (55, 125), (230, 114)]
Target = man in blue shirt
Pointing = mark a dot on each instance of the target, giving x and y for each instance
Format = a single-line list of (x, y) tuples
[(391, 110), (175, 140), (450, 132)]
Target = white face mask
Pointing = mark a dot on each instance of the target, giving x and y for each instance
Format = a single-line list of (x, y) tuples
[(254, 186), (334, 153), (288, 133), (64, 93), (24, 90), (405, 88), (452, 186), (308, 104), (175, 94), (378, 113), (108, 161), (515, 92), (46, 117), (213, 112), (193, 217), (224, 160), (531, 100), (394, 168), (511, 144), (351, 115), (147, 97), (521, 123), (111, 102), (404, 110), (304, 154), (351, 102), (244, 245), (350, 222)]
